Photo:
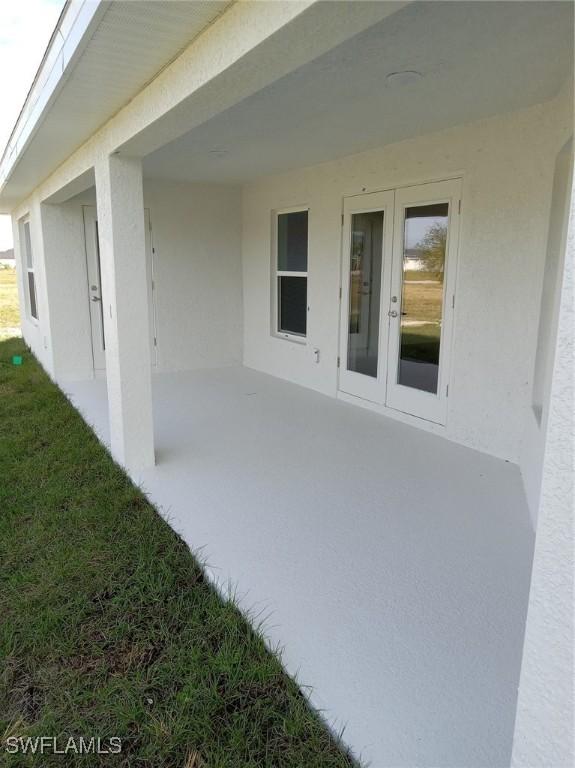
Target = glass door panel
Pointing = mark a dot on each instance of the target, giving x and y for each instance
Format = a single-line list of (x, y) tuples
[(420, 314), (366, 271), (425, 237), (364, 292)]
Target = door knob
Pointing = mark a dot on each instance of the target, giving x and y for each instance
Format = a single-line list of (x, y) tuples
[(392, 313)]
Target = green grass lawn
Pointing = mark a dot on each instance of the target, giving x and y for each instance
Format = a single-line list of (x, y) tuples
[(9, 307), (108, 627)]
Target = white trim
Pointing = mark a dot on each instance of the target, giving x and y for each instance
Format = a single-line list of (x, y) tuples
[(291, 337), (287, 273), (417, 402), (371, 388), (412, 182)]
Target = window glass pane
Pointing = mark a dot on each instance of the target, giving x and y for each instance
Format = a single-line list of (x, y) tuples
[(292, 305), (364, 292), (28, 244), (425, 237), (292, 242), (32, 295)]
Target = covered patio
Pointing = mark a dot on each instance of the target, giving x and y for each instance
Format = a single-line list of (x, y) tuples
[(390, 564), (383, 529)]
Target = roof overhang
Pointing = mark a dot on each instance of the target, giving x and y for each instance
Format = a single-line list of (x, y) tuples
[(99, 57), (74, 28), (250, 82), (117, 92)]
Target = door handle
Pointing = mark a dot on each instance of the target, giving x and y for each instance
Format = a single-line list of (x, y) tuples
[(96, 298), (392, 313)]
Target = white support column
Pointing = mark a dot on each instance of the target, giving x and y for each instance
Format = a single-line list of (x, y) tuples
[(544, 727), (125, 303)]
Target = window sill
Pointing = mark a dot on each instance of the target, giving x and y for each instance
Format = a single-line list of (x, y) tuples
[(301, 340)]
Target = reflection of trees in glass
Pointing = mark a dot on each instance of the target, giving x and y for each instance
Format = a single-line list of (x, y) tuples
[(357, 245), (431, 248), (422, 297), (356, 266)]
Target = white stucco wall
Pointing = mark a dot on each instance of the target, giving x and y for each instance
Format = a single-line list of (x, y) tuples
[(533, 444), (544, 728), (67, 287), (507, 167), (196, 232)]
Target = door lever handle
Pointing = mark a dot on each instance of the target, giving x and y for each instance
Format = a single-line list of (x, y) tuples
[(96, 298), (392, 313)]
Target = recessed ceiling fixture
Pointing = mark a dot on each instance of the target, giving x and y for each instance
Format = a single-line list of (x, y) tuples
[(405, 77)]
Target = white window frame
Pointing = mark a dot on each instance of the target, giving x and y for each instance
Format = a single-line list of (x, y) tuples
[(277, 273), (27, 252)]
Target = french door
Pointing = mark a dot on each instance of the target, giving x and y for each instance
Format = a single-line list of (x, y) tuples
[(368, 232), (399, 252)]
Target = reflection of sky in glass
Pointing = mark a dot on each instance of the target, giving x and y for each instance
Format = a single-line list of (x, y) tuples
[(416, 228)]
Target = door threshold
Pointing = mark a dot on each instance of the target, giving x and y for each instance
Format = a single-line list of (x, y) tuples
[(393, 413)]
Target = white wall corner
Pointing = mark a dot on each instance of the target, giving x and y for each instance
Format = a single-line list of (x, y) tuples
[(544, 728)]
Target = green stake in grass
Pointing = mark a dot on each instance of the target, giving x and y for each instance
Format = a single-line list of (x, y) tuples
[(16, 359)]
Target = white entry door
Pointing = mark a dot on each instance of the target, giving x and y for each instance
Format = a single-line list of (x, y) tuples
[(97, 300), (426, 231), (398, 292), (367, 238)]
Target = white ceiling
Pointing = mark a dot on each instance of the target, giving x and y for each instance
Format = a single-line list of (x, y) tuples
[(132, 43), (478, 58)]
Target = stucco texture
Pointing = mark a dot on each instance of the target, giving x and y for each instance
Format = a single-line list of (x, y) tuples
[(544, 734), (507, 168)]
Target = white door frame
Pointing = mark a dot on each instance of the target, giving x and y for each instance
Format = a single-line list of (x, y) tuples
[(417, 402), (353, 383), (93, 273), (384, 390), (94, 276)]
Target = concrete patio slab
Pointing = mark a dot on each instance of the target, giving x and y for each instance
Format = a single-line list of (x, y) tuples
[(393, 565)]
